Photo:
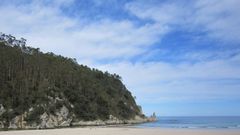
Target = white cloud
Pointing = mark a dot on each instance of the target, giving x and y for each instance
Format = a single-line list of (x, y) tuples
[(158, 82), (47, 28), (219, 19), (165, 14)]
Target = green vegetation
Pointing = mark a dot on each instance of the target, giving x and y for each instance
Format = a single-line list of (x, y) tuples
[(45, 82)]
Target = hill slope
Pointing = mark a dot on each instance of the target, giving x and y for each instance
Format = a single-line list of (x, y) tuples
[(43, 90)]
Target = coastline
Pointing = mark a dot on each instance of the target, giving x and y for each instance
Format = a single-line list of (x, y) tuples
[(103, 130), (137, 120), (114, 122)]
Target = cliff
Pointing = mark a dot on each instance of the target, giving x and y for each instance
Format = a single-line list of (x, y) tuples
[(44, 90)]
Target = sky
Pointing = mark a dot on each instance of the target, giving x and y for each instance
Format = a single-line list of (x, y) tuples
[(179, 58)]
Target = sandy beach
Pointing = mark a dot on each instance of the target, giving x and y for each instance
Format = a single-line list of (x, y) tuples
[(122, 131)]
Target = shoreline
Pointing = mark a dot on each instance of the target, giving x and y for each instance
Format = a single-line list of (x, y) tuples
[(121, 126), (53, 123), (103, 130), (86, 124)]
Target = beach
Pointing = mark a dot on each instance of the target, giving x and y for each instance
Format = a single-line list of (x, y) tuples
[(122, 131)]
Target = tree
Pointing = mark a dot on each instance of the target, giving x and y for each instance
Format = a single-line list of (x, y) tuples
[(30, 78)]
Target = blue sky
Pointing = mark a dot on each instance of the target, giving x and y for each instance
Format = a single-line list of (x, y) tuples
[(176, 57)]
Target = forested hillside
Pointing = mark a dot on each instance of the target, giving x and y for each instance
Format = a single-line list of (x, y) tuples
[(37, 87)]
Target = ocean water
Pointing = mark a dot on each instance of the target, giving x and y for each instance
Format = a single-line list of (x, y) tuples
[(195, 122)]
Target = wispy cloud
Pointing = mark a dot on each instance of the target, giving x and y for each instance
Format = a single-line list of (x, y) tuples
[(219, 19), (45, 26), (160, 82)]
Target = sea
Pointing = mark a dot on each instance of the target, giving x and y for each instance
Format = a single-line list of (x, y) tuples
[(200, 122)]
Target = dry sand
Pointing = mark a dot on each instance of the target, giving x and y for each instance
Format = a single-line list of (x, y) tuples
[(121, 131)]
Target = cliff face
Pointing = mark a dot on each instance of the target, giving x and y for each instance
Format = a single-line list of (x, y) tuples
[(43, 90)]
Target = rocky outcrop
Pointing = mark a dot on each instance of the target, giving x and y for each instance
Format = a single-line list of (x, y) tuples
[(14, 124), (2, 109), (60, 119), (18, 122), (152, 118), (137, 120), (1, 125), (112, 121), (48, 121)]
